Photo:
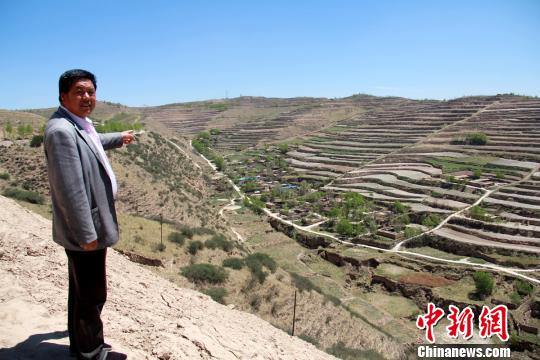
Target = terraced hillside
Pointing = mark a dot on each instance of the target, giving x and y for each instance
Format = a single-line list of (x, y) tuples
[(501, 164), (463, 174), (184, 119), (374, 134)]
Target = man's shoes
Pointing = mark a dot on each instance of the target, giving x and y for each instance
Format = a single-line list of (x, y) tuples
[(104, 353), (113, 355), (110, 355), (73, 352)]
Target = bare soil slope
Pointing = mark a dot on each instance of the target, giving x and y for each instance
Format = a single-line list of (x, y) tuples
[(145, 317)]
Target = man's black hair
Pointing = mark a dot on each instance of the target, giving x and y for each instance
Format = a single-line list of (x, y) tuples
[(72, 76)]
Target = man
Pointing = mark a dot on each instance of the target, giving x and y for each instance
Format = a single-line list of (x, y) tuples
[(83, 190)]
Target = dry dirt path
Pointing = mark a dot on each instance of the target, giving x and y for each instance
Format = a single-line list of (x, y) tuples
[(146, 316), (183, 152)]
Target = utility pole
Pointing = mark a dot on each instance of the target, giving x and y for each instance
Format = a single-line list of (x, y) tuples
[(161, 225), (294, 313)]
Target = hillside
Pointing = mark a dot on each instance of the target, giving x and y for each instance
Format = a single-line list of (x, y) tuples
[(370, 207), (145, 316)]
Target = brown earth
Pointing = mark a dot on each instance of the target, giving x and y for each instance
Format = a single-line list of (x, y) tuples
[(145, 317), (425, 279)]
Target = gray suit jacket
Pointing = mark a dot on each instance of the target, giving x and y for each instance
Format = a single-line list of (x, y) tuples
[(81, 191)]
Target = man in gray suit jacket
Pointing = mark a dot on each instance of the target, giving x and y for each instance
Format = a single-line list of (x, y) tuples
[(83, 190)]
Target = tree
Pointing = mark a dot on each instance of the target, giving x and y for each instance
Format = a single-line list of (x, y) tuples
[(484, 283), (220, 163), (476, 139), (283, 148), (354, 206), (399, 207), (8, 129), (344, 227), (36, 141)]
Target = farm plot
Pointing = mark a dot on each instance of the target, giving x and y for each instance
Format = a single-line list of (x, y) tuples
[(185, 120), (379, 132), (510, 130), (499, 147)]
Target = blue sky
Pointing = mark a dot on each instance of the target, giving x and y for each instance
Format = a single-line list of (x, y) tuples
[(158, 52)]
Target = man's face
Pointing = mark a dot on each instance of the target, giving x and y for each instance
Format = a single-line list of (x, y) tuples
[(81, 98)]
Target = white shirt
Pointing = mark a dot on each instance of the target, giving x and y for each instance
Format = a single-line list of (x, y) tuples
[(88, 127)]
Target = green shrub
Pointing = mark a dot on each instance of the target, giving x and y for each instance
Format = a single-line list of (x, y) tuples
[(218, 107), (36, 141), (202, 231), (233, 263), (177, 238), (217, 294), (523, 288), (477, 174), (160, 247), (431, 220), (219, 241), (195, 246), (484, 283), (515, 298), (118, 123), (254, 204), (476, 139), (139, 239), (4, 176), (479, 213), (345, 227), (205, 273), (255, 263), (340, 350), (24, 195), (283, 148), (219, 162), (412, 231), (187, 231), (399, 208), (309, 339), (265, 259), (255, 302), (399, 222)]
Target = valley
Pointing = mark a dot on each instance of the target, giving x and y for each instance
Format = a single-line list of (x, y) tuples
[(368, 207)]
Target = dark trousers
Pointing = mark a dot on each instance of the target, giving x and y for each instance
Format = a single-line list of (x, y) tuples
[(87, 295)]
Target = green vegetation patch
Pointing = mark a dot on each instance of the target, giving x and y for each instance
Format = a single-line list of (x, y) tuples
[(219, 241), (119, 122), (484, 283), (195, 246), (24, 195), (523, 288), (479, 213), (205, 273), (478, 164), (235, 263), (255, 263), (217, 294), (346, 353), (177, 238)]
